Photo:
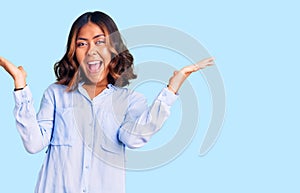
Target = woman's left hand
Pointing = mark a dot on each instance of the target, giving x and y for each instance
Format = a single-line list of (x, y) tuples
[(179, 77)]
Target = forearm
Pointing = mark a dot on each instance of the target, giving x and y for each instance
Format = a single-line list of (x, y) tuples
[(135, 133), (34, 137)]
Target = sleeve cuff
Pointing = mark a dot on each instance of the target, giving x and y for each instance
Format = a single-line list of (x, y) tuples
[(168, 97), (23, 96)]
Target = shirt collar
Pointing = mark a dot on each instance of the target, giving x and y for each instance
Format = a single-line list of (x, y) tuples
[(109, 89)]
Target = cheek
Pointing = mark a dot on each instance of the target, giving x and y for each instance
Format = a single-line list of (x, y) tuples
[(79, 56), (106, 54)]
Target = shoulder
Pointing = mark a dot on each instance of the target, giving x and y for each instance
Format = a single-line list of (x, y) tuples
[(54, 87), (54, 91)]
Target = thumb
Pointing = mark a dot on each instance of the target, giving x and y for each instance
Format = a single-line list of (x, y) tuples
[(23, 71)]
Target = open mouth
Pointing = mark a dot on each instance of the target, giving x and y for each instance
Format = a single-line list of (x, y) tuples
[(94, 66)]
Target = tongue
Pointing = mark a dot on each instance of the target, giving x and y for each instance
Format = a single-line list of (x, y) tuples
[(94, 67)]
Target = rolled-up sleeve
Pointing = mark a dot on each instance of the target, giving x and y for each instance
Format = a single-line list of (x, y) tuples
[(141, 121), (35, 130)]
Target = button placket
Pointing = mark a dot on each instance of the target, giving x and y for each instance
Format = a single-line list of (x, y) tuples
[(88, 153), (86, 171)]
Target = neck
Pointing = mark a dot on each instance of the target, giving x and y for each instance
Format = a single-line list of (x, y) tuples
[(94, 89)]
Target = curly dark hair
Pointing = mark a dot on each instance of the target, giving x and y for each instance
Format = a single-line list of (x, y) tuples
[(121, 65)]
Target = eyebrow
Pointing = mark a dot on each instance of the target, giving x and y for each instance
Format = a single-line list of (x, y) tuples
[(97, 36)]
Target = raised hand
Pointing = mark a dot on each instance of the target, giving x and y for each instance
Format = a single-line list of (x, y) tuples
[(179, 77), (17, 73)]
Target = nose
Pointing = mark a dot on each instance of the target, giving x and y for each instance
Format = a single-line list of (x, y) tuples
[(92, 50)]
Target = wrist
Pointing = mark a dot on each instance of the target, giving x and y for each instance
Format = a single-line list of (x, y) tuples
[(20, 84), (19, 88), (172, 89)]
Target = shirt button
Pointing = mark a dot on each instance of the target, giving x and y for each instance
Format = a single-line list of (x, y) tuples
[(86, 167), (84, 190)]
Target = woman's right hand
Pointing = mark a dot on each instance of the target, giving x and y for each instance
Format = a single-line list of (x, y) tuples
[(17, 73)]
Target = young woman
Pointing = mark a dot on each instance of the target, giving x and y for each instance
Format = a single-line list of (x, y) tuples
[(86, 118)]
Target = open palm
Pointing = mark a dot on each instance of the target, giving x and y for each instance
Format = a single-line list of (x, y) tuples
[(17, 73), (179, 77)]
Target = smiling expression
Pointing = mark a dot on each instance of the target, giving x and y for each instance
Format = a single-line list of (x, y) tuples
[(93, 54)]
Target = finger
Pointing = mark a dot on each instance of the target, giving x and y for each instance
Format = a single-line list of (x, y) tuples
[(1, 61), (203, 65), (197, 66), (7, 65), (210, 59), (207, 61)]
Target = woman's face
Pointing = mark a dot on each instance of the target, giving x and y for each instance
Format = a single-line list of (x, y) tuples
[(93, 54)]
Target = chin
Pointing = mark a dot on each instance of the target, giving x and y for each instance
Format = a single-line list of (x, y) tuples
[(95, 78), (100, 80)]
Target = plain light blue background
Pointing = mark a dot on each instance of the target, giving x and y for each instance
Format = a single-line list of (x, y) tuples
[(256, 46)]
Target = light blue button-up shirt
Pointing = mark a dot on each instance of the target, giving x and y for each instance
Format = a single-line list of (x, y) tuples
[(86, 138)]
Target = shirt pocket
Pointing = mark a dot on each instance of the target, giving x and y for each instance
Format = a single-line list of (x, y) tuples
[(112, 147), (63, 127), (112, 153)]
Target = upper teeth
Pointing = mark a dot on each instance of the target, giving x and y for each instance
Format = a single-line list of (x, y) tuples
[(94, 62)]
